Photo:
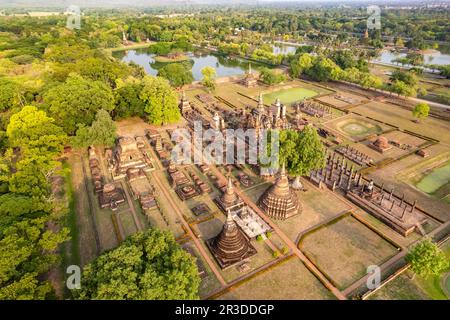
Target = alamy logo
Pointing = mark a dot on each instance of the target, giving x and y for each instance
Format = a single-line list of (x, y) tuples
[(74, 17), (374, 278), (212, 146), (74, 279), (374, 20)]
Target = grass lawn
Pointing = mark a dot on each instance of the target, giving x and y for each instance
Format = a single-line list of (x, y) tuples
[(288, 96), (71, 254), (431, 127), (436, 179), (289, 280), (345, 248)]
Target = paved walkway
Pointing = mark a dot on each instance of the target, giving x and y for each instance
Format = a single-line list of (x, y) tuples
[(137, 222)]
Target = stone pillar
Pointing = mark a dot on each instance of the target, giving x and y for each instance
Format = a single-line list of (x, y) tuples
[(392, 206), (414, 205), (341, 174), (349, 181), (403, 214)]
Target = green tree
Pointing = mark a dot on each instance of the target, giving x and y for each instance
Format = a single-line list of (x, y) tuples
[(301, 152), (178, 74), (161, 101), (33, 131), (324, 69), (402, 89), (407, 77), (209, 74), (148, 265), (271, 77), (427, 259), (27, 250), (128, 103), (421, 110), (103, 131), (77, 100), (10, 94), (301, 65)]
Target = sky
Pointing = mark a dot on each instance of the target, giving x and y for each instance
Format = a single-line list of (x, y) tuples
[(142, 3)]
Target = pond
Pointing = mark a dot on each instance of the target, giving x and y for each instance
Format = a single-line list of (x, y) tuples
[(437, 58), (225, 66), (435, 180)]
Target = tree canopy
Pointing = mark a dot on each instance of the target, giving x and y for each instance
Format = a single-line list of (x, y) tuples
[(103, 131), (427, 259), (77, 100), (421, 110), (301, 151), (161, 101), (178, 74), (148, 265)]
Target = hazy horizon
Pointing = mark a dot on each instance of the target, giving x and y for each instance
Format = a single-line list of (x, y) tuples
[(160, 3)]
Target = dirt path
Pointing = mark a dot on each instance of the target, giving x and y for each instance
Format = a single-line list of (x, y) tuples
[(197, 243), (85, 211), (175, 207)]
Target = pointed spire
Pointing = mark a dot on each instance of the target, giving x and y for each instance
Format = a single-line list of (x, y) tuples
[(229, 217), (260, 102), (230, 187), (278, 102), (283, 170)]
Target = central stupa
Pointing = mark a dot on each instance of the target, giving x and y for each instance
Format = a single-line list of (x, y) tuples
[(280, 201)]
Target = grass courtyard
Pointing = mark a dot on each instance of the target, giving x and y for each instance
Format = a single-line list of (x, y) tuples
[(344, 249), (288, 281), (289, 96), (435, 180)]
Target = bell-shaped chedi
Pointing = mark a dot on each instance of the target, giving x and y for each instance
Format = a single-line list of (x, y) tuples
[(229, 200), (280, 201), (381, 144), (230, 246)]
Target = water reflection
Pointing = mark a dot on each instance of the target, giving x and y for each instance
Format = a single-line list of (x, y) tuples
[(225, 66)]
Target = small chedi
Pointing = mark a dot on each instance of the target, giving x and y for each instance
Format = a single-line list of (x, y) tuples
[(280, 201), (381, 144), (128, 155), (185, 105), (250, 80), (141, 188), (111, 196), (229, 200), (230, 246)]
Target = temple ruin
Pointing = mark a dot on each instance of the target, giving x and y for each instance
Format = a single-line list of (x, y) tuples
[(230, 246), (280, 201)]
